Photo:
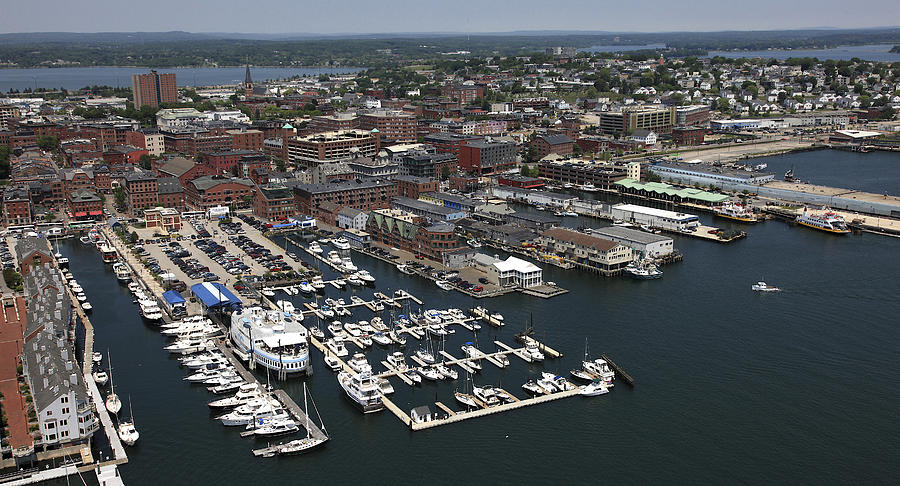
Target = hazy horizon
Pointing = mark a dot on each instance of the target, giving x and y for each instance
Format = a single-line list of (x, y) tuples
[(354, 17)]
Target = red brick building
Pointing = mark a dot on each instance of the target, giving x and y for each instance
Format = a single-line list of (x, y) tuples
[(124, 155), (464, 93), (171, 193), (16, 207), (519, 181), (552, 144), (399, 127), (246, 139), (142, 191), (364, 195), (153, 89), (487, 157), (273, 202), (331, 123), (184, 169), (228, 161), (208, 191), (412, 186), (688, 135), (85, 205), (398, 229), (449, 143)]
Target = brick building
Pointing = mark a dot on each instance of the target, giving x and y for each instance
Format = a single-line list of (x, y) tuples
[(463, 93), (169, 219), (522, 182), (313, 150), (450, 143), (17, 207), (171, 193), (601, 175), (274, 202), (398, 229), (487, 157), (85, 205), (412, 186), (148, 139), (359, 194), (688, 135), (208, 191), (142, 191), (153, 89), (399, 127), (244, 139), (331, 123), (124, 155), (184, 169), (545, 145)]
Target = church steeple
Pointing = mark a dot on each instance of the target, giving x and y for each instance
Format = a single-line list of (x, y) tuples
[(248, 84)]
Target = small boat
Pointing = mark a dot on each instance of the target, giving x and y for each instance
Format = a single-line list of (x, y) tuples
[(336, 345), (589, 187), (425, 356), (354, 281), (487, 394), (405, 269), (381, 338), (413, 376), (365, 276), (268, 291), (317, 333), (363, 390), (359, 364), (97, 357), (532, 350), (315, 248), (533, 387), (764, 287), (341, 243), (431, 373), (306, 288), (225, 388), (443, 284), (100, 377), (582, 375), (87, 306), (85, 240), (276, 427), (113, 404), (446, 371), (593, 389), (332, 363), (473, 243)]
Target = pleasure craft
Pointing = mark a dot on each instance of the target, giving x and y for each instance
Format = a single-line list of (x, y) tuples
[(326, 311), (348, 265), (226, 388), (276, 427), (128, 433), (430, 373), (425, 355), (413, 376), (336, 329), (600, 368), (764, 287), (405, 269), (486, 394), (381, 338), (466, 399), (395, 336), (306, 288), (100, 377), (352, 329), (189, 346), (377, 324), (365, 340), (244, 394), (362, 389), (123, 274), (593, 389), (359, 364), (87, 306), (315, 248), (97, 357), (334, 258), (547, 385), (533, 387), (317, 283), (354, 280), (332, 363), (317, 333), (443, 284), (134, 287), (268, 291), (150, 310), (446, 371), (398, 361), (235, 418), (341, 243), (532, 350), (365, 276), (336, 346)]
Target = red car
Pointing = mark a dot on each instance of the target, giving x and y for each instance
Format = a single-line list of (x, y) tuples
[(477, 288)]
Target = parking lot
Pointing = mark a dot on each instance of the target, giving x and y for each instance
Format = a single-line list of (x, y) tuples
[(212, 251)]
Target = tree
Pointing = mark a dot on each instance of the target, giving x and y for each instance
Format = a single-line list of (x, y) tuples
[(279, 165), (133, 237), (50, 216), (47, 142), (120, 197), (445, 173), (723, 105), (887, 113), (4, 161), (145, 161)]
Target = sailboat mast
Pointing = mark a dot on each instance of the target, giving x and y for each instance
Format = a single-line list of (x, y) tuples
[(305, 411)]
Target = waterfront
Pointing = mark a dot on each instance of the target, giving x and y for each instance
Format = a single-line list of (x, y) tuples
[(731, 385), (73, 78), (869, 52), (877, 172)]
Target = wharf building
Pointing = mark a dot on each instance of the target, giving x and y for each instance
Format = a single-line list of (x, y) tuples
[(205, 192), (601, 175), (587, 251), (398, 229), (364, 195), (430, 211), (656, 218), (62, 405), (320, 148), (171, 193), (153, 89), (690, 174), (666, 192), (274, 202), (413, 187), (552, 144), (648, 244), (141, 190), (538, 198), (512, 272)]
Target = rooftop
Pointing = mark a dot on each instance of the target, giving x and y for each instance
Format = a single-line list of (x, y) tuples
[(581, 239)]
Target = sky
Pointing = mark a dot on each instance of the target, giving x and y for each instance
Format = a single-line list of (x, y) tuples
[(387, 16)]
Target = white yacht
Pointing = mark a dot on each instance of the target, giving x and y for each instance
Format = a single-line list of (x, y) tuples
[(190, 346), (764, 287), (532, 350), (273, 427), (398, 361), (113, 404), (425, 355), (275, 340), (315, 248), (381, 338), (362, 389), (600, 368), (317, 283), (87, 306), (336, 329), (123, 274), (341, 243), (100, 377), (268, 291), (334, 258), (359, 364), (487, 395), (150, 310), (306, 288), (443, 284), (365, 276), (593, 389), (354, 280), (127, 431), (336, 346), (533, 387)]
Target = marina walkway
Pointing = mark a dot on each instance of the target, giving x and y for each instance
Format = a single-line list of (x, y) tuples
[(109, 427)]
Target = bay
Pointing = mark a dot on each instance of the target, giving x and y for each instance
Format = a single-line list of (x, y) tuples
[(78, 77), (870, 52), (732, 386)]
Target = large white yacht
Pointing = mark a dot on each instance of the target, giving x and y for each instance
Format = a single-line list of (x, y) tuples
[(275, 339), (362, 389)]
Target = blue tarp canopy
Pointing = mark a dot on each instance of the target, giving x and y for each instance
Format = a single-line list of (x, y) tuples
[(173, 297), (214, 295)]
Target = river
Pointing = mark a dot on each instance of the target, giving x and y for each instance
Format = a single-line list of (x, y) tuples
[(732, 386), (869, 52), (78, 77)]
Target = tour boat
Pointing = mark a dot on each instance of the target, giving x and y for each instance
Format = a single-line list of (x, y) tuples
[(737, 212), (362, 389), (108, 253), (275, 340), (764, 287), (827, 221)]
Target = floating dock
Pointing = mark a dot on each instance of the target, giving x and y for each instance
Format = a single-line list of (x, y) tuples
[(460, 416)]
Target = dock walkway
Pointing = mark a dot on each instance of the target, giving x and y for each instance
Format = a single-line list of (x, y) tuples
[(460, 416)]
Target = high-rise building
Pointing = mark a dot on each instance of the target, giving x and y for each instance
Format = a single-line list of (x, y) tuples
[(154, 88)]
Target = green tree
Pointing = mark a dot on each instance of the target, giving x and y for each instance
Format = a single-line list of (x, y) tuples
[(723, 105), (145, 161), (120, 196), (47, 142), (445, 173), (50, 216), (4, 161)]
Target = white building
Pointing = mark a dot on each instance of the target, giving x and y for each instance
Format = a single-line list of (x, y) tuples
[(648, 244), (178, 117), (656, 218), (350, 218), (512, 271), (644, 136)]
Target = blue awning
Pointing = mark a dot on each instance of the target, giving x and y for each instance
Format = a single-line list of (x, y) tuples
[(173, 297), (213, 294)]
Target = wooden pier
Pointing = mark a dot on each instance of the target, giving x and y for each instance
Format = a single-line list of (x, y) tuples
[(460, 416), (619, 371), (547, 350), (485, 315)]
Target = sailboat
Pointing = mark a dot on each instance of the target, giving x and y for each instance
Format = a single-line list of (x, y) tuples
[(113, 404), (298, 446), (465, 398), (127, 432)]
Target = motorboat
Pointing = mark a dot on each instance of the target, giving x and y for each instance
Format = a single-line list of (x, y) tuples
[(244, 394), (381, 338), (81, 297), (326, 311), (275, 427), (334, 258), (236, 418), (87, 306), (643, 270), (348, 265), (497, 317), (341, 243), (189, 346), (150, 310), (395, 336), (123, 274), (268, 291), (589, 187), (562, 384), (533, 387), (336, 346), (413, 376), (336, 329), (315, 248), (365, 340), (354, 280), (425, 355), (597, 367), (332, 363), (378, 306), (306, 288), (134, 287), (317, 333), (96, 357), (473, 243), (430, 373), (377, 324), (363, 390), (532, 350), (582, 375), (486, 394), (405, 269), (365, 276), (352, 329), (317, 283), (100, 377), (226, 388), (443, 284), (546, 384), (398, 361), (593, 389), (359, 364), (764, 287)]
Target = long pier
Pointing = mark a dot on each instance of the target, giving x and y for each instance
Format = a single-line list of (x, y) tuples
[(460, 416)]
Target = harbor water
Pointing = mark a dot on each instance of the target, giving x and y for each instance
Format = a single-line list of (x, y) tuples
[(731, 385)]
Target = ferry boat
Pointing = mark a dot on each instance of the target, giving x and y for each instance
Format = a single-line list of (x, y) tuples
[(363, 390), (737, 212), (828, 222), (276, 340), (108, 253), (123, 274)]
